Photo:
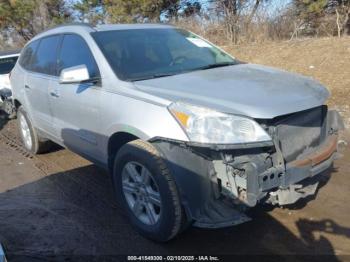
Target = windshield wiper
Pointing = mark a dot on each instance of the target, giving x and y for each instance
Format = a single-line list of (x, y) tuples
[(210, 66), (152, 76), (158, 75)]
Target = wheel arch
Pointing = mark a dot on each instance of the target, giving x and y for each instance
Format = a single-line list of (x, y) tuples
[(17, 103), (115, 142)]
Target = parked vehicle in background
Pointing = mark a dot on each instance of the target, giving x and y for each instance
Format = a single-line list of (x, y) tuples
[(8, 60), (190, 135)]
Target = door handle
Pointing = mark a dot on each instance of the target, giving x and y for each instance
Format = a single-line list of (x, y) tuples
[(26, 86), (54, 94)]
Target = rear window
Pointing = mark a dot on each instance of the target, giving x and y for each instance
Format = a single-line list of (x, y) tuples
[(28, 54), (45, 59), (6, 64)]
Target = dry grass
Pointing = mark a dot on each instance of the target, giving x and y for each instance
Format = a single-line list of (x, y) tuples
[(325, 59)]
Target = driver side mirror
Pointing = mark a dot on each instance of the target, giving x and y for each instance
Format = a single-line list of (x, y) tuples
[(74, 75)]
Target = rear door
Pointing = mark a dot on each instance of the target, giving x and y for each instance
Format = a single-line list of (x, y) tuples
[(75, 107), (41, 72)]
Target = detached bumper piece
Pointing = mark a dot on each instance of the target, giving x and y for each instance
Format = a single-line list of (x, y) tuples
[(298, 183), (321, 154), (6, 103), (218, 184)]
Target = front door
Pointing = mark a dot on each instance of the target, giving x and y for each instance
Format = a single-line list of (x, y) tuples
[(75, 107)]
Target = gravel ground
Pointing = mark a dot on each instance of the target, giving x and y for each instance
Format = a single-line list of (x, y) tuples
[(59, 206)]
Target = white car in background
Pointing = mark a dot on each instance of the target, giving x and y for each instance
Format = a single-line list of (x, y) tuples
[(8, 60)]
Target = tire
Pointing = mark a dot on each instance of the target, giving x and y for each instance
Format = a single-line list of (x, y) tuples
[(143, 158), (31, 141)]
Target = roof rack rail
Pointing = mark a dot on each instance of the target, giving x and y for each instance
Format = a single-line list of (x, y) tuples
[(69, 24)]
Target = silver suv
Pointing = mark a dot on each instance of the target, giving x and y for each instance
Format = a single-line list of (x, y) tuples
[(191, 135)]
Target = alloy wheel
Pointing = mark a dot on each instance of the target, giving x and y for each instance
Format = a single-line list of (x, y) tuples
[(141, 193), (27, 138)]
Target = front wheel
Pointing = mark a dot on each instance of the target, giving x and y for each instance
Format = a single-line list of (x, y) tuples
[(147, 191)]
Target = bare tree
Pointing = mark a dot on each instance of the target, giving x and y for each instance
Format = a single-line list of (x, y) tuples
[(253, 12)]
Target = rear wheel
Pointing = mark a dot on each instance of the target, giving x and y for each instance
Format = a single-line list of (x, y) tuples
[(147, 191), (31, 141)]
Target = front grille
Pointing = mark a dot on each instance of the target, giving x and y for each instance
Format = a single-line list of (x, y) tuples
[(300, 132)]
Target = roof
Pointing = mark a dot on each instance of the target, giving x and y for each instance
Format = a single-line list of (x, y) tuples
[(10, 52), (64, 28), (87, 28), (104, 27), (108, 27), (75, 24)]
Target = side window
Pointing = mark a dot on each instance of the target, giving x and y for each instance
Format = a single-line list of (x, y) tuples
[(74, 52), (45, 59), (27, 55)]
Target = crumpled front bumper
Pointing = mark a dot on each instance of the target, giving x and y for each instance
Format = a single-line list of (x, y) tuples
[(217, 185), (295, 187)]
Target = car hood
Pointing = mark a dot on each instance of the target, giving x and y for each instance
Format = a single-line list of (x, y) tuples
[(245, 89)]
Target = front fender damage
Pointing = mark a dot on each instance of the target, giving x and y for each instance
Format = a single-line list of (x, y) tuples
[(197, 182)]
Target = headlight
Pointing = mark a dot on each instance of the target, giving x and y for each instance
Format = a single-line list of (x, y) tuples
[(204, 125)]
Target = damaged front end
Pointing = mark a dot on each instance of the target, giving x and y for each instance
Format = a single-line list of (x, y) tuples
[(218, 183)]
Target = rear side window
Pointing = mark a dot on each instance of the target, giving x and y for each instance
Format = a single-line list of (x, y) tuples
[(74, 52), (27, 55), (45, 59), (6, 64)]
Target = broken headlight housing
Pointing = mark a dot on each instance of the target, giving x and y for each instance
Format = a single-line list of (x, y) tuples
[(203, 125)]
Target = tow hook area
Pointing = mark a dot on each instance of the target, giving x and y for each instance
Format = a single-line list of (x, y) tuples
[(291, 194)]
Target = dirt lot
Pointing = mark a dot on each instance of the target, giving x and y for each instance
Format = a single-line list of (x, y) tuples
[(59, 205)]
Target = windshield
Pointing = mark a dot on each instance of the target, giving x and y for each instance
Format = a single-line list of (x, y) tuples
[(6, 64), (139, 54)]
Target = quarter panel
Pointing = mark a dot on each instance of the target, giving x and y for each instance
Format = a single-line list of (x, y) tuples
[(17, 79)]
